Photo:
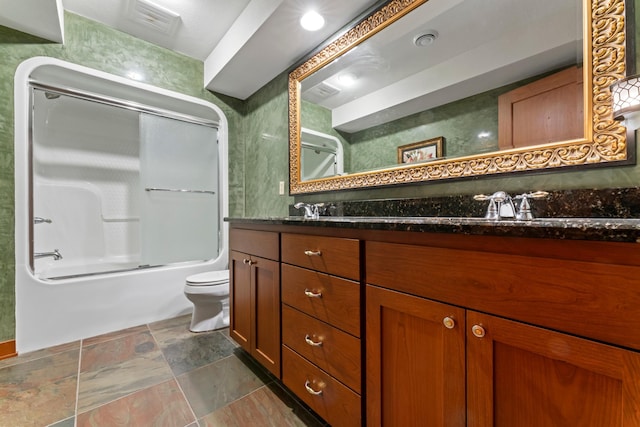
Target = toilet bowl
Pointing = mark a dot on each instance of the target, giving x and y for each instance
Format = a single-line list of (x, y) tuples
[(209, 293)]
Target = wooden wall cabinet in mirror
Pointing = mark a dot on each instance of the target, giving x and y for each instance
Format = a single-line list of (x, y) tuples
[(544, 111), (434, 68)]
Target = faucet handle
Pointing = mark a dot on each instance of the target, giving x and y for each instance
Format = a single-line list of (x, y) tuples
[(493, 210), (481, 197), (533, 195), (524, 211)]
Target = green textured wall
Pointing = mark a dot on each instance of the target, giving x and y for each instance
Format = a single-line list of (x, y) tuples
[(97, 46), (266, 149), (459, 122)]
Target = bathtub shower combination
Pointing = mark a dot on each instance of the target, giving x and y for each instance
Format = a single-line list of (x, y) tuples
[(121, 190)]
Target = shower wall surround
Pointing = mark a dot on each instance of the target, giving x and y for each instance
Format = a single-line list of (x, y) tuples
[(94, 45)]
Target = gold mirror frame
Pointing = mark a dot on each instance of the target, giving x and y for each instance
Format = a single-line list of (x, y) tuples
[(605, 139)]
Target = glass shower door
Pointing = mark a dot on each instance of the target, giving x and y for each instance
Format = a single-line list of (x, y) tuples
[(180, 217)]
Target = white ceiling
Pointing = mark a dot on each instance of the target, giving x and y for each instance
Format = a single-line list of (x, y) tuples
[(40, 18), (243, 43)]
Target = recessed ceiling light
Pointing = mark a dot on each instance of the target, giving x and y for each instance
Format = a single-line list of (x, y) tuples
[(312, 21), (347, 79)]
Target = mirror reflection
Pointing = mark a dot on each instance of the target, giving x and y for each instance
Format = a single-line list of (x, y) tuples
[(441, 70), (504, 76)]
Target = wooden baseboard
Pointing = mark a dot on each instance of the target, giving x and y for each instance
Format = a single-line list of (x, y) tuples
[(8, 349)]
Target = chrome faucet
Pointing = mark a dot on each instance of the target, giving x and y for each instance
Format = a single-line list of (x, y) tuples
[(55, 254), (501, 205), (311, 210)]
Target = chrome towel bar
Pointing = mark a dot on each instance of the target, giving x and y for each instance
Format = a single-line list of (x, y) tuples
[(180, 190)]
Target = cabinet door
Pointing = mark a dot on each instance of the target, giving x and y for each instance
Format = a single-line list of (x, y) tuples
[(240, 299), (415, 364), (520, 375), (265, 275)]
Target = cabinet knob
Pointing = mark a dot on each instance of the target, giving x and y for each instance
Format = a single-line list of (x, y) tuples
[(247, 261), (310, 390), (478, 331), (313, 253), (311, 342), (449, 323), (313, 294)]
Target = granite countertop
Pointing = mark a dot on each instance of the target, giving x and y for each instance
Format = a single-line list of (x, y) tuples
[(587, 214), (603, 229)]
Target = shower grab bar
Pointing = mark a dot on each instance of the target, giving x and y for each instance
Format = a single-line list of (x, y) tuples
[(39, 220), (180, 190)]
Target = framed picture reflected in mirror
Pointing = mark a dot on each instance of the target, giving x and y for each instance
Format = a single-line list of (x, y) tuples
[(422, 151)]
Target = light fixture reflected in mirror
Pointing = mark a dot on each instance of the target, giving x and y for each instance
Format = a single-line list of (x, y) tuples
[(626, 96), (347, 79)]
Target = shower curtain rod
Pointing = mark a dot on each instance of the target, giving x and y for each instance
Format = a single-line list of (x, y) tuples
[(122, 103)]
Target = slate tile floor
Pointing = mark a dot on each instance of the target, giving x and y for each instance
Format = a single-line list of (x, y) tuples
[(158, 374)]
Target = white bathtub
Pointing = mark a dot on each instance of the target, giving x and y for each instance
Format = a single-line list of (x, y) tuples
[(63, 301)]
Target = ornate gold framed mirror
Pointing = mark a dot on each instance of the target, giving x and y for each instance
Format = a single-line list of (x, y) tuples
[(590, 53)]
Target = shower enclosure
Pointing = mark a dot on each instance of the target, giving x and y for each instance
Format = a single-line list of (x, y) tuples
[(321, 155), (120, 195), (117, 188)]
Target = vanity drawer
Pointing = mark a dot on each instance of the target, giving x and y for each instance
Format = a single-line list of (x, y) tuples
[(562, 294), (338, 354), (333, 255), (336, 403), (338, 302), (264, 244)]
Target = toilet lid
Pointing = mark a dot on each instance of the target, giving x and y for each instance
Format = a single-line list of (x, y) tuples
[(209, 278)]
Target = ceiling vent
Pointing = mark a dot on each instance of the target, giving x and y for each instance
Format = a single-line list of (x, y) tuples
[(154, 16), (322, 90)]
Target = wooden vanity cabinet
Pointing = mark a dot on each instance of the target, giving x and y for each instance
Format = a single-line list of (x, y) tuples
[(477, 331), (515, 374), (321, 345), (254, 274), (415, 365), (527, 376)]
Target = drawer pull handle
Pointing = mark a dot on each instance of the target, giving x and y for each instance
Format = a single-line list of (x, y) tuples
[(313, 253), (313, 294), (478, 331), (307, 385), (449, 323), (311, 342)]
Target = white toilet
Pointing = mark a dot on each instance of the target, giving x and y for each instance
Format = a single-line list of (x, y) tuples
[(209, 293)]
